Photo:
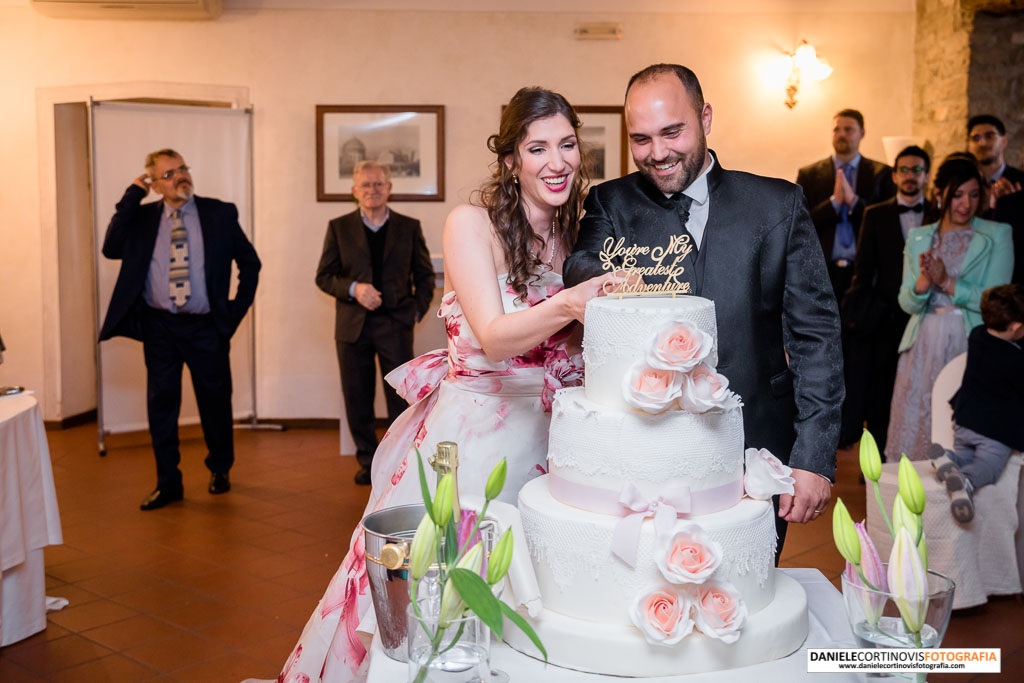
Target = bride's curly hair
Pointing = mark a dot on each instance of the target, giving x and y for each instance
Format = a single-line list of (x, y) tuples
[(500, 195)]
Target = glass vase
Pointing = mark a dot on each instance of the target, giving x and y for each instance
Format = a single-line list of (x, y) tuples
[(876, 622), (457, 653)]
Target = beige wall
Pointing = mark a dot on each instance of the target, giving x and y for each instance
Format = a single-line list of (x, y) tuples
[(285, 62)]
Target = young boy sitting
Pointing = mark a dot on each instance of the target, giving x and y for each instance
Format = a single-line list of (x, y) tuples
[(988, 408)]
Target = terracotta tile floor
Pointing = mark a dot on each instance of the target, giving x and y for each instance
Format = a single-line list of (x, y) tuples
[(218, 588)]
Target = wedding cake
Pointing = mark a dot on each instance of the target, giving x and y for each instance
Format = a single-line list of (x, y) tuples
[(652, 544)]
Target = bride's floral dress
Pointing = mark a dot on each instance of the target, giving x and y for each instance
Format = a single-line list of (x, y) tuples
[(492, 410)]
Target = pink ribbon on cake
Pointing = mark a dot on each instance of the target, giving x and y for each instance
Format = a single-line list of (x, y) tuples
[(668, 502)]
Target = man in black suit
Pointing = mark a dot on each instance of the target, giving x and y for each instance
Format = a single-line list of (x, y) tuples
[(172, 294), (756, 257), (1010, 209), (837, 190), (376, 264), (872, 318), (986, 140)]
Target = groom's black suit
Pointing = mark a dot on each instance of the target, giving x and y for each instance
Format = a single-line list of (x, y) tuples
[(760, 261)]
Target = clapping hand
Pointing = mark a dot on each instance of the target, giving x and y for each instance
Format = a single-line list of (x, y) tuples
[(1001, 188), (936, 269), (843, 192)]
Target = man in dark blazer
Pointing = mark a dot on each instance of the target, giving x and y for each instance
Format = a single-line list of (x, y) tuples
[(1010, 209), (172, 294), (986, 141), (757, 258), (376, 264), (837, 189), (873, 321)]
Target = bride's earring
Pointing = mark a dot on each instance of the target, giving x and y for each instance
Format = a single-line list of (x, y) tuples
[(515, 179)]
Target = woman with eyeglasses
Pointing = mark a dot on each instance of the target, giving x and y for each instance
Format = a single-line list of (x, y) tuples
[(509, 323), (946, 267)]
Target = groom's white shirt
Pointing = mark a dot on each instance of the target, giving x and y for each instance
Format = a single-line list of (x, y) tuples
[(698, 192)]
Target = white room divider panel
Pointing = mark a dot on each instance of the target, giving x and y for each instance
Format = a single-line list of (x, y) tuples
[(216, 144)]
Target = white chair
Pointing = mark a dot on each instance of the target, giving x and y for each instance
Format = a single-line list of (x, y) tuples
[(984, 557)]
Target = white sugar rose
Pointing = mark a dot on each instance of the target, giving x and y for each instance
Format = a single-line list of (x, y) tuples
[(679, 345), (719, 611), (704, 389), (663, 616), (689, 556), (765, 475), (652, 390)]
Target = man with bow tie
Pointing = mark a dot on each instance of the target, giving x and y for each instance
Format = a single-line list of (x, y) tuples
[(872, 318), (837, 189)]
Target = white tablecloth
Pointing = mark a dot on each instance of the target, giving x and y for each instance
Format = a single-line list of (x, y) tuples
[(828, 628), (29, 519)]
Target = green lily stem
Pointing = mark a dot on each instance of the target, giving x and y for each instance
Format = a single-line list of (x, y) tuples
[(864, 579), (885, 515)]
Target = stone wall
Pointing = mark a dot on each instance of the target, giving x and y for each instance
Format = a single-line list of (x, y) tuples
[(996, 76), (942, 57), (968, 59)]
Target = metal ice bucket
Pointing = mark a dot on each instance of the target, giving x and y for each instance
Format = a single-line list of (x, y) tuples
[(387, 535)]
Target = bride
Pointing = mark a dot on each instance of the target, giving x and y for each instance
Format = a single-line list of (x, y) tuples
[(508, 320)]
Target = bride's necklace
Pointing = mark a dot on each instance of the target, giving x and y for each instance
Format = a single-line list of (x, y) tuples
[(551, 251)]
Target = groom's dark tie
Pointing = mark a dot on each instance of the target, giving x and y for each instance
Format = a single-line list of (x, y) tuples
[(682, 203)]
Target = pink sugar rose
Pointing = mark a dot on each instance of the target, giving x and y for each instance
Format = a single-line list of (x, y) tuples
[(704, 389), (663, 616), (719, 611), (680, 346), (652, 390), (765, 475), (689, 556)]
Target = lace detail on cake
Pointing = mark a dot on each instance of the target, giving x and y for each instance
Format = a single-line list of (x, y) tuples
[(573, 551), (593, 440), (624, 331)]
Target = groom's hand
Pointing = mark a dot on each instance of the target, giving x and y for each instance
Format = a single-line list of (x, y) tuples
[(811, 493)]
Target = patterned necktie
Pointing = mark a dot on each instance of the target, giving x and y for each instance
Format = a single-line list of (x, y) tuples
[(845, 227), (683, 203), (180, 288)]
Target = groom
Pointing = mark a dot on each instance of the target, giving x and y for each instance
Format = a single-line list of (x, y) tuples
[(757, 257)]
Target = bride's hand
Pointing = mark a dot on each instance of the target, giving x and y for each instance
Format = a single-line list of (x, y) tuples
[(576, 298)]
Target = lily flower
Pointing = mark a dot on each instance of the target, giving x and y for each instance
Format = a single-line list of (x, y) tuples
[(496, 480), (501, 558), (872, 603), (444, 498), (870, 458), (452, 604), (845, 533), (421, 553), (909, 486), (908, 581)]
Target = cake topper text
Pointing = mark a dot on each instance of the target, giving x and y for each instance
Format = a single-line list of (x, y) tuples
[(667, 265)]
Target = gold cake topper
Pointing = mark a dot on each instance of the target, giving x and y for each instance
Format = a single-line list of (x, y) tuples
[(668, 262)]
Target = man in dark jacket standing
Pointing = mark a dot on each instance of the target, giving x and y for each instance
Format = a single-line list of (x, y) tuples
[(172, 294), (376, 264)]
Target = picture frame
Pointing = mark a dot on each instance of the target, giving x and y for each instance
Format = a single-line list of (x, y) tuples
[(409, 139), (603, 136)]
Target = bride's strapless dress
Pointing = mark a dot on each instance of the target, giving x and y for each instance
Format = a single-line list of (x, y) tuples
[(492, 410)]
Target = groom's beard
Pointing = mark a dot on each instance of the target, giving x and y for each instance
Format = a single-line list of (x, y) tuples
[(688, 170)]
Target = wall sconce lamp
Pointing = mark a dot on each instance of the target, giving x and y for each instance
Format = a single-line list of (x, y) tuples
[(804, 64)]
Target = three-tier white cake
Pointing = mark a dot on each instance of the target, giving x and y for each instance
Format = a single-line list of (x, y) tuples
[(649, 558)]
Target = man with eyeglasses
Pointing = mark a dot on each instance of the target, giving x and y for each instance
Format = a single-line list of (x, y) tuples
[(986, 140), (173, 295), (872, 317), (837, 189), (376, 265)]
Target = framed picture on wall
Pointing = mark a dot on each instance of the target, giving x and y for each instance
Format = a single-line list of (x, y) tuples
[(409, 139), (603, 137)]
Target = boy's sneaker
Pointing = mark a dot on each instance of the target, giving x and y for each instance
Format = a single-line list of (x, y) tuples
[(959, 488), (961, 501), (942, 463)]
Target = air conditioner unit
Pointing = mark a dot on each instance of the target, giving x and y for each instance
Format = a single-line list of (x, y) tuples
[(130, 9)]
